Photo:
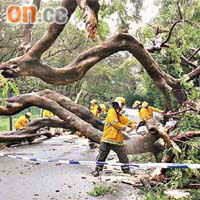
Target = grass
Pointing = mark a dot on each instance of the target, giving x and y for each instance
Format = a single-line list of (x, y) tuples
[(100, 190), (5, 124)]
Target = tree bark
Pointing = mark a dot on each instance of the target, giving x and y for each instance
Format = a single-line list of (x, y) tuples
[(37, 124), (32, 66), (18, 103), (168, 158), (27, 34)]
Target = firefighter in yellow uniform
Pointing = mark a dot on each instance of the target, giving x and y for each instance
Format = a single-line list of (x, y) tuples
[(150, 110), (142, 112), (146, 113), (94, 107), (103, 108), (137, 104), (112, 138), (47, 114), (102, 112), (23, 121)]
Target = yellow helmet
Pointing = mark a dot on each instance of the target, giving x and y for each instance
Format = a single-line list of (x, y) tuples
[(145, 104), (120, 99), (136, 104), (103, 107), (93, 101), (29, 114)]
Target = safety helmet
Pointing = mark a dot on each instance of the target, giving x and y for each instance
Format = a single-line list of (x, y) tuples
[(93, 101), (136, 104), (29, 114), (120, 100), (103, 107), (145, 104)]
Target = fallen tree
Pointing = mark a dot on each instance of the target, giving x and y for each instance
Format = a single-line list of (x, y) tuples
[(73, 115), (77, 117), (30, 64)]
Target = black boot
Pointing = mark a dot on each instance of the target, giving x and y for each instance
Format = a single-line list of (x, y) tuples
[(96, 172), (92, 145)]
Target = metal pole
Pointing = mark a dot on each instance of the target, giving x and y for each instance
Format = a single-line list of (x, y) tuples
[(10, 120), (10, 117)]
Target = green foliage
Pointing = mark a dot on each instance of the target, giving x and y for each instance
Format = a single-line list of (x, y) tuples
[(111, 78), (149, 92), (195, 194), (156, 193), (100, 190), (9, 34), (6, 86), (124, 12), (4, 125), (142, 158), (180, 178), (103, 29), (189, 121)]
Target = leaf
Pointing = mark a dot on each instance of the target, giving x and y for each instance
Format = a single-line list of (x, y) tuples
[(5, 91), (15, 89)]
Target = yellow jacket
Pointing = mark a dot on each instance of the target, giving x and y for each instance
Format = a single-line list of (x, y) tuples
[(94, 110), (47, 114), (21, 122), (143, 114), (113, 127), (150, 110)]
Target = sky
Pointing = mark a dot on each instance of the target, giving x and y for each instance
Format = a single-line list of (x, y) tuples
[(149, 11)]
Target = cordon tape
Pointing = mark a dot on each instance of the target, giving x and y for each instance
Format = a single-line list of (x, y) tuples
[(88, 163)]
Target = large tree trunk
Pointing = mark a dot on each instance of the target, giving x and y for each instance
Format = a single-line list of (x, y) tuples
[(29, 133), (74, 115), (61, 107)]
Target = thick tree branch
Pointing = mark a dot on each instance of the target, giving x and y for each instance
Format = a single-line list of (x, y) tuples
[(54, 31), (37, 124), (194, 73), (77, 109), (16, 104), (178, 112), (168, 158), (29, 66), (27, 35), (13, 139)]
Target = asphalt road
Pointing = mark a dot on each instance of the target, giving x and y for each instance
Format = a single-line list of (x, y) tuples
[(29, 180)]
